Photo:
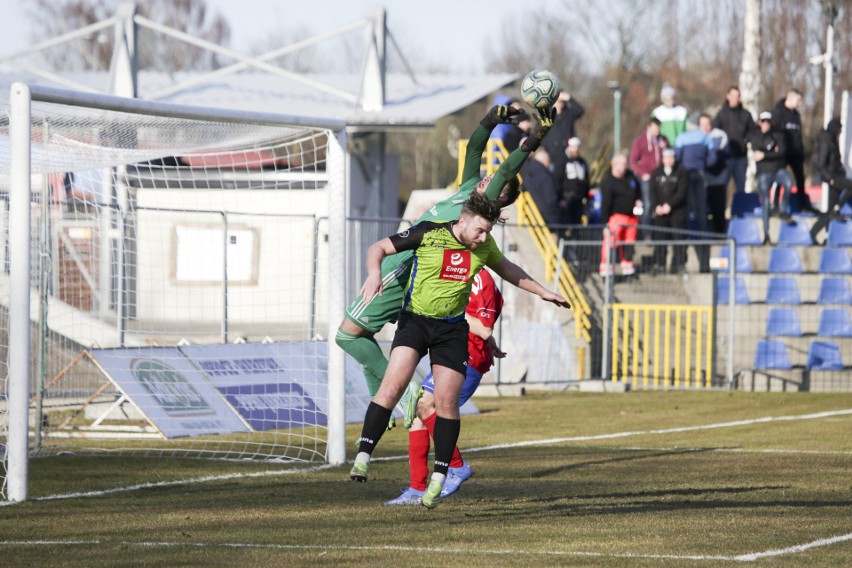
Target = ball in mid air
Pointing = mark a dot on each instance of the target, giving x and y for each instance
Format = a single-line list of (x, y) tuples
[(540, 88)]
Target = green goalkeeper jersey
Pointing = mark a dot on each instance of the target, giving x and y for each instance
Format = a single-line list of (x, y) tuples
[(450, 208)]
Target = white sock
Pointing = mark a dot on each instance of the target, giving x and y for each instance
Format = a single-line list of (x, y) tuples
[(440, 477), (362, 457)]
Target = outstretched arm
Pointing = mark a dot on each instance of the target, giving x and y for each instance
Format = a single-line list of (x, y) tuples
[(498, 114), (517, 276)]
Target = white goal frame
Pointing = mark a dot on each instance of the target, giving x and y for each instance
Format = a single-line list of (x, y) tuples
[(21, 99)]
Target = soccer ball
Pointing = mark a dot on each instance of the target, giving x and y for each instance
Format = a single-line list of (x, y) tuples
[(540, 88)]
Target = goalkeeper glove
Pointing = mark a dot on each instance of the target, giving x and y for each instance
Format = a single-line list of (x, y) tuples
[(499, 114), (543, 122)]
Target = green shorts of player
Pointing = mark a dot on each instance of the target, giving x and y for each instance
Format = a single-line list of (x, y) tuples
[(382, 309)]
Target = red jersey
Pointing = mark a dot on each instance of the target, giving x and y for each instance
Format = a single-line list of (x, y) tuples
[(486, 303)]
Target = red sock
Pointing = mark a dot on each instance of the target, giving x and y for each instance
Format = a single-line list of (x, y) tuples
[(456, 460), (418, 458)]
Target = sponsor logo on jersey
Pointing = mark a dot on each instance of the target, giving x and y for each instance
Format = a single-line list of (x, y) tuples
[(456, 265)]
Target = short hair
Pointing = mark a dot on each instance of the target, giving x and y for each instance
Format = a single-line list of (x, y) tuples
[(705, 115), (793, 91), (654, 120), (478, 205), (734, 88)]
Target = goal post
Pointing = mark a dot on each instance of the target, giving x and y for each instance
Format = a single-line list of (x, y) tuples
[(173, 284)]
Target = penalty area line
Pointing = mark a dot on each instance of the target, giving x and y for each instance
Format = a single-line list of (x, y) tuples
[(752, 557)]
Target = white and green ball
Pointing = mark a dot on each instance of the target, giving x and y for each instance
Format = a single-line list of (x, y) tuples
[(540, 88)]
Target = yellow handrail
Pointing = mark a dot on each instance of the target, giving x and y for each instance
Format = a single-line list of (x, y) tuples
[(686, 364), (530, 217)]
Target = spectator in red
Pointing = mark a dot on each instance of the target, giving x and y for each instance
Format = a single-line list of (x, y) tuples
[(645, 156), (621, 202)]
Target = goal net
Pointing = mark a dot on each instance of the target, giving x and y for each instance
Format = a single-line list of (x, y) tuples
[(181, 280)]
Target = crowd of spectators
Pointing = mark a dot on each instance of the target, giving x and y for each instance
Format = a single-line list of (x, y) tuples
[(677, 172)]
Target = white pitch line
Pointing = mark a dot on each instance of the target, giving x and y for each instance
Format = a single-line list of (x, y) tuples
[(752, 557), (551, 441), (729, 450), (614, 435)]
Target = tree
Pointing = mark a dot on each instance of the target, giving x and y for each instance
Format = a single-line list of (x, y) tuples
[(52, 18)]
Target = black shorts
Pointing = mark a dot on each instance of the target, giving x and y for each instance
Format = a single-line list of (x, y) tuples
[(445, 342)]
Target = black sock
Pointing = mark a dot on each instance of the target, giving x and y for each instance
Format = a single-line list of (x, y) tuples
[(446, 435), (375, 424)]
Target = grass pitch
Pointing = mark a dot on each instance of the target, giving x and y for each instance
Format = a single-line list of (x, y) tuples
[(640, 479)]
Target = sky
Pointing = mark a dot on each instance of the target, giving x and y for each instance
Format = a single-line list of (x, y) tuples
[(454, 32)]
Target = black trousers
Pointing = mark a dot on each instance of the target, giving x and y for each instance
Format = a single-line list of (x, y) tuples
[(839, 193)]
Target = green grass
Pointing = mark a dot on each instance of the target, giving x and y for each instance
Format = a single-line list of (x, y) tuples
[(621, 501)]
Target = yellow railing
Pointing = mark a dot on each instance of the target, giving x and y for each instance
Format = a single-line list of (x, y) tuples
[(530, 217), (662, 346)]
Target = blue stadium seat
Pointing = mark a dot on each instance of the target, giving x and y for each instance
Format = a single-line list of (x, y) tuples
[(835, 322), (846, 209), (746, 205), (794, 234), (839, 233), (783, 290), (824, 356), (833, 290), (743, 261), (835, 261), (771, 354), (745, 232), (784, 260), (783, 321), (723, 291)]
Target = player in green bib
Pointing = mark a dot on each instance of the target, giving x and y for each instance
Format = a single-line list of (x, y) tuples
[(447, 255), (366, 317)]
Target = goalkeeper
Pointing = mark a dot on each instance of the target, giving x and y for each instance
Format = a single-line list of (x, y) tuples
[(364, 319), (483, 309)]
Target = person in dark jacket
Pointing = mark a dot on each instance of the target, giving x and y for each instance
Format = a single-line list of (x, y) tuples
[(769, 147), (575, 185), (787, 120), (739, 125), (668, 208), (540, 183), (568, 111), (621, 201), (831, 171)]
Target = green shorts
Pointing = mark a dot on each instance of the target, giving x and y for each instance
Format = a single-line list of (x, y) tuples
[(382, 309)]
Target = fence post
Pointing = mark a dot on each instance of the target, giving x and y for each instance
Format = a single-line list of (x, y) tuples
[(608, 294)]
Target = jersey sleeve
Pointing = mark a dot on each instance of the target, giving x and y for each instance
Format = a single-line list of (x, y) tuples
[(411, 238), (494, 253), (507, 170), (473, 155)]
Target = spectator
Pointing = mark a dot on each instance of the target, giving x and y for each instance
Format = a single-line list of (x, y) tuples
[(621, 197), (696, 151), (739, 125), (540, 183), (575, 185), (568, 111), (787, 120), (831, 171), (768, 148), (716, 175), (672, 116), (646, 155), (668, 204)]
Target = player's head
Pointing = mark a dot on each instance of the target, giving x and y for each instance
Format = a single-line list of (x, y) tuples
[(477, 217), (508, 195)]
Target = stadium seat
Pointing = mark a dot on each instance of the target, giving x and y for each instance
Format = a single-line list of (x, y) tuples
[(783, 290), (783, 321), (745, 232), (771, 354), (746, 205), (835, 261), (835, 322), (794, 234), (723, 291), (834, 290), (784, 260), (839, 233), (824, 356), (846, 209), (743, 261)]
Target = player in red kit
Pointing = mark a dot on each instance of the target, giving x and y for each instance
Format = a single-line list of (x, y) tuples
[(483, 309)]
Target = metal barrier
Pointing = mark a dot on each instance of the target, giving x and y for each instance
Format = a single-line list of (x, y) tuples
[(663, 346)]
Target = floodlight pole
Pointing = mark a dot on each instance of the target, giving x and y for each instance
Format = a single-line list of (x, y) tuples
[(616, 111)]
